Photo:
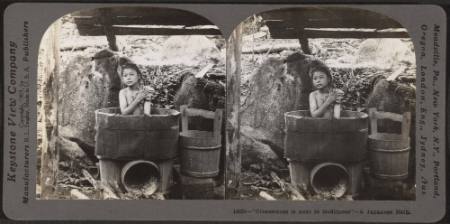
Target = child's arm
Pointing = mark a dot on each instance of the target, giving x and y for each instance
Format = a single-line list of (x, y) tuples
[(319, 110), (129, 108)]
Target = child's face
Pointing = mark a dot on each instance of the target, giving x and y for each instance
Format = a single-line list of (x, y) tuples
[(129, 77), (320, 79)]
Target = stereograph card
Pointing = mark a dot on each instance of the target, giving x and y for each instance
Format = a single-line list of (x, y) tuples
[(224, 112)]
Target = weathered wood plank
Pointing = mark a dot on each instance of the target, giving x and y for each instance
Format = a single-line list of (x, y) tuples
[(287, 187), (233, 152), (266, 196), (98, 31), (373, 121), (406, 125), (163, 20), (218, 124), (336, 23), (277, 33), (386, 115), (49, 154), (333, 17), (144, 15), (199, 112), (78, 195)]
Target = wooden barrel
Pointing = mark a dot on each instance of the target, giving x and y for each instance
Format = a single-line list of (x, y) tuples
[(200, 150), (388, 152), (389, 156), (131, 137), (340, 140)]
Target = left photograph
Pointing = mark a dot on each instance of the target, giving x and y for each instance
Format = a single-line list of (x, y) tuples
[(130, 106)]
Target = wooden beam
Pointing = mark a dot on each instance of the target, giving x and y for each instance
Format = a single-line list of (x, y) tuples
[(98, 31), (292, 34), (233, 150), (333, 17), (334, 23), (146, 15), (163, 20)]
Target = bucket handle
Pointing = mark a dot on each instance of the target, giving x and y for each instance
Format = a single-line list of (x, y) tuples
[(214, 115), (404, 118)]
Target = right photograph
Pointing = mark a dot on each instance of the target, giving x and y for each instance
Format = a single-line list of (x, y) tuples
[(326, 107)]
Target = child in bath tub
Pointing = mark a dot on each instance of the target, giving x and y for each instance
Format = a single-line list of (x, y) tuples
[(322, 100), (135, 98)]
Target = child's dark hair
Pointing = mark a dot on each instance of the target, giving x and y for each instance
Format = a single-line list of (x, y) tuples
[(321, 67), (297, 56), (131, 66)]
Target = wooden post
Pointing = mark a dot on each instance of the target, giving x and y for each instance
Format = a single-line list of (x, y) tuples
[(300, 25), (105, 20), (406, 123), (373, 121), (184, 119), (233, 151), (50, 72), (218, 124), (303, 39)]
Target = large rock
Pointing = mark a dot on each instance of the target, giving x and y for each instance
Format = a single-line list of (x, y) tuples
[(202, 94), (391, 96), (191, 93), (254, 151), (276, 88), (85, 85), (72, 153), (189, 50), (385, 53)]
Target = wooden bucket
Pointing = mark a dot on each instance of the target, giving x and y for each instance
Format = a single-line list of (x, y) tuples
[(200, 150), (389, 153)]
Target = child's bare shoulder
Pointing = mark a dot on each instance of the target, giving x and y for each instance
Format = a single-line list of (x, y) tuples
[(123, 91), (314, 93)]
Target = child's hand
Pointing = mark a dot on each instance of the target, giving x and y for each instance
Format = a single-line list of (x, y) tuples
[(148, 97), (339, 95), (335, 95), (140, 96), (331, 98), (148, 92)]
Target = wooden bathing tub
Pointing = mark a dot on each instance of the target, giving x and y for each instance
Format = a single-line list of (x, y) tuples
[(130, 137), (340, 140), (320, 148)]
